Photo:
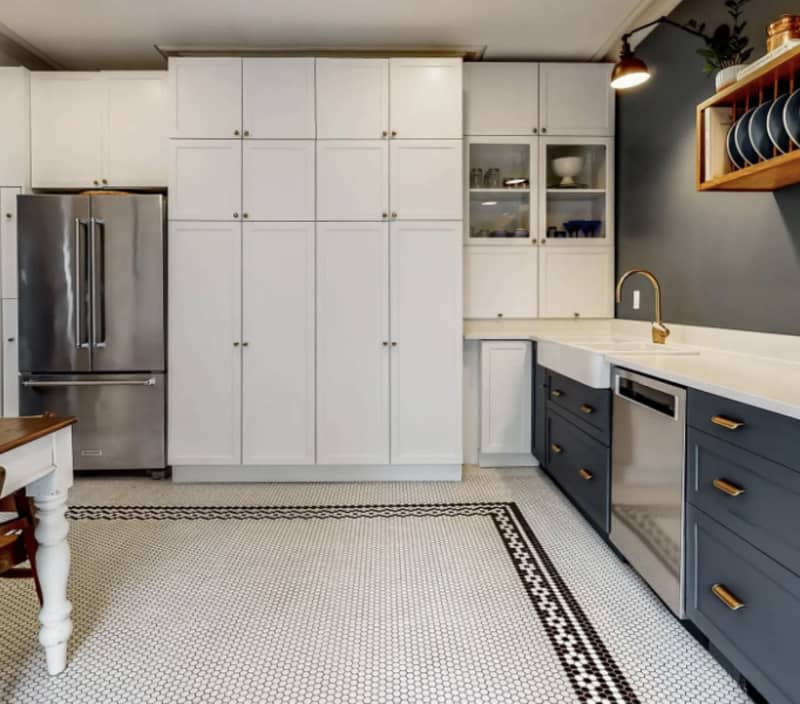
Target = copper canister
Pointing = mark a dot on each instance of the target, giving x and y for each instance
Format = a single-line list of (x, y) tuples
[(783, 30)]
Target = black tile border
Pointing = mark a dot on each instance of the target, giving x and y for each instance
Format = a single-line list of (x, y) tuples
[(593, 673)]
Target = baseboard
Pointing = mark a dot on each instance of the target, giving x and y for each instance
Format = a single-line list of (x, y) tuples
[(320, 473), (507, 459)]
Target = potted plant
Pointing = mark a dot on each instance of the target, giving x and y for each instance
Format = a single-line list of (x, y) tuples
[(727, 49)]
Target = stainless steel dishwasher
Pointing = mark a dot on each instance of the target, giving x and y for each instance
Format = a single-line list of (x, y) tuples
[(647, 481)]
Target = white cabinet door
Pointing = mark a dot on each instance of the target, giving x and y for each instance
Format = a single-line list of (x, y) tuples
[(352, 98), (426, 343), (501, 98), (206, 97), (352, 179), (278, 350), (278, 98), (501, 282), (577, 282), (426, 99), (352, 343), (10, 359), (136, 144), (426, 179), (205, 354), (506, 392), (8, 240), (15, 125), (205, 179), (67, 127), (278, 179), (576, 99)]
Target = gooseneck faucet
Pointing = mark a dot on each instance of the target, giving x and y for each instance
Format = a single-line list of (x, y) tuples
[(660, 332)]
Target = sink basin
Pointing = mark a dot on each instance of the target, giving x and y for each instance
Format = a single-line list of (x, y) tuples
[(586, 360)]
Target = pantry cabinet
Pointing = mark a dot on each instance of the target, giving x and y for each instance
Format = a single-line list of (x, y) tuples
[(8, 241), (353, 179), (425, 179), (205, 181), (10, 358), (115, 122), (576, 282), (352, 98), (501, 282), (278, 179), (501, 98), (353, 343), (278, 329), (205, 335), (15, 126), (576, 99)]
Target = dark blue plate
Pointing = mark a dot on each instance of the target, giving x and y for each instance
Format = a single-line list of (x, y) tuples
[(733, 151), (742, 139), (757, 131), (777, 132), (791, 117)]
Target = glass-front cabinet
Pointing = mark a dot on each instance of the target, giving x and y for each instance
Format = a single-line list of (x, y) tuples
[(501, 180), (575, 203)]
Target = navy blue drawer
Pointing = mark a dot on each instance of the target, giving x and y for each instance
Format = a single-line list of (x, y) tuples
[(580, 465), (762, 638), (756, 498), (591, 406), (767, 434)]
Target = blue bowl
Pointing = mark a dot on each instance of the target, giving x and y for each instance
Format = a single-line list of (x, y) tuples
[(775, 127)]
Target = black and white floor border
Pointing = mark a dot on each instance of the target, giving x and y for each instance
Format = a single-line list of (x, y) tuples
[(592, 671)]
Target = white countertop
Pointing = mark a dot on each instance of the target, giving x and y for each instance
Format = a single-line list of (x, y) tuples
[(767, 376)]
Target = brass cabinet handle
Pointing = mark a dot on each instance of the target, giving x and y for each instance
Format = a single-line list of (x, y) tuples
[(9, 216), (726, 597), (557, 449), (236, 215), (726, 423), (236, 133), (727, 488), (247, 133), (385, 343), (556, 393), (585, 473), (394, 133), (587, 409), (384, 134), (394, 343), (236, 344), (394, 215), (384, 215)]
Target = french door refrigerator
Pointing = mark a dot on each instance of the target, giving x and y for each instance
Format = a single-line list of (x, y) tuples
[(91, 323)]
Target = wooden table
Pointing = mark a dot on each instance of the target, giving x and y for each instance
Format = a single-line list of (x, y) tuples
[(36, 453)]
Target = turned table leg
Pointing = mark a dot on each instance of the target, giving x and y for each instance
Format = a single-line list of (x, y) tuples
[(52, 561)]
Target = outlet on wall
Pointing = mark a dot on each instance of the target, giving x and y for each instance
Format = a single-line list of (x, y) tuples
[(636, 299)]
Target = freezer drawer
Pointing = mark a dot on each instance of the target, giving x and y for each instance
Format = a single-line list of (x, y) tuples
[(120, 416)]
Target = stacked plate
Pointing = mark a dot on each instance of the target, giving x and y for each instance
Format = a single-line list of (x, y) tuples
[(775, 123)]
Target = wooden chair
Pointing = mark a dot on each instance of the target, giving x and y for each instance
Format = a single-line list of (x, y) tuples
[(17, 541)]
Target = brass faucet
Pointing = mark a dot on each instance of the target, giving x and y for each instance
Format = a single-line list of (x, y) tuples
[(660, 332)]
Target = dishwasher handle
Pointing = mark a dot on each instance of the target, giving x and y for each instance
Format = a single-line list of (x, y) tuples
[(650, 393)]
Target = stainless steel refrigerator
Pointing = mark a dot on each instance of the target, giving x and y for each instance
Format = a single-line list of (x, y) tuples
[(92, 323)]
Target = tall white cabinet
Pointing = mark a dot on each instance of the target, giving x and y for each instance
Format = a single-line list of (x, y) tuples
[(9, 302), (329, 192)]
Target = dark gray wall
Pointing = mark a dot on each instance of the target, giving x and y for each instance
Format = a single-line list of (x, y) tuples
[(727, 260)]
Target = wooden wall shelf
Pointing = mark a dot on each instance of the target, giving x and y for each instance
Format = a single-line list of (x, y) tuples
[(778, 76)]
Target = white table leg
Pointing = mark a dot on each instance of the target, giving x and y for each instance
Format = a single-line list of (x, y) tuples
[(52, 563)]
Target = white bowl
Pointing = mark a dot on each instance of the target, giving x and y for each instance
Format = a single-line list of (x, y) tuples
[(567, 168)]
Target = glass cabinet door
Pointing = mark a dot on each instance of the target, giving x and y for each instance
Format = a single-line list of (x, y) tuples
[(500, 178)]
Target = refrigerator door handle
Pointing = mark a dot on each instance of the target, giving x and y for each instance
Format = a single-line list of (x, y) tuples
[(79, 303), (97, 231), (126, 382)]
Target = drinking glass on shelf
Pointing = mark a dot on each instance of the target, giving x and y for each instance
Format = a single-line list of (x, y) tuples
[(476, 178), (492, 179)]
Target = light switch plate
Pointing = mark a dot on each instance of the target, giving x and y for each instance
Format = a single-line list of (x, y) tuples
[(637, 299)]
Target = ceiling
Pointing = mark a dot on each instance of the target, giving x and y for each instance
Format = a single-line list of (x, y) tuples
[(92, 34)]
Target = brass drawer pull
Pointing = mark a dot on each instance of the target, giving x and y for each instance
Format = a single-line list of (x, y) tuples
[(725, 596), (727, 488), (585, 473), (587, 409), (726, 423), (557, 449), (555, 393)]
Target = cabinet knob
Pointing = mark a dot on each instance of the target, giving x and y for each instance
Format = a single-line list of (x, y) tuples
[(236, 133), (105, 182), (557, 449), (394, 215), (586, 409), (245, 215), (394, 344), (533, 240), (536, 130), (585, 474), (96, 182), (12, 339), (384, 215), (394, 133), (236, 344), (544, 130), (8, 215), (556, 393), (236, 215), (499, 315), (245, 344), (576, 315), (385, 343), (247, 133), (384, 134)]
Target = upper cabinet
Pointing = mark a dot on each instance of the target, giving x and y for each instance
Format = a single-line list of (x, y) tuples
[(576, 99), (501, 98), (352, 98), (15, 126), (115, 123), (410, 98), (560, 99), (206, 97), (425, 98)]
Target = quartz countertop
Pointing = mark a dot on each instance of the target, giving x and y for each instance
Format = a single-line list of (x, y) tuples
[(758, 379)]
